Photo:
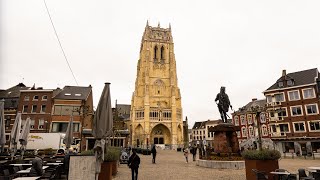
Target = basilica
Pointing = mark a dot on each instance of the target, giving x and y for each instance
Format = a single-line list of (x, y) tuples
[(156, 112)]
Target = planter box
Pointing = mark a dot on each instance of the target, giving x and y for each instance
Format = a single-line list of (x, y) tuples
[(261, 165), (106, 171), (114, 168)]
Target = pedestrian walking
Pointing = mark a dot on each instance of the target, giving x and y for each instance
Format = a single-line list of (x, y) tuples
[(133, 163), (154, 153), (194, 153), (185, 153)]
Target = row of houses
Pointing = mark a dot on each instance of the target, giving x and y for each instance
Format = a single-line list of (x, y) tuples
[(289, 118), (50, 110)]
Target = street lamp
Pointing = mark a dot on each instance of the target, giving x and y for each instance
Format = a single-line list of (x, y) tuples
[(46, 124), (257, 110)]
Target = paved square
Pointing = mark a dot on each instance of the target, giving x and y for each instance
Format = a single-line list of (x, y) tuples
[(171, 165)]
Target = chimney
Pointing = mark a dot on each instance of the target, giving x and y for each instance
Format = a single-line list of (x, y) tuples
[(254, 99), (284, 73)]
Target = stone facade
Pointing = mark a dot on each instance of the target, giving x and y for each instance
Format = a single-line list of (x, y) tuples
[(156, 112)]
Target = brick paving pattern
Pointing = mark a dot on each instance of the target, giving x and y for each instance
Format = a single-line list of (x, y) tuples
[(171, 165)]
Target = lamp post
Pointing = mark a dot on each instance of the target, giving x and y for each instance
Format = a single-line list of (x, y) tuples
[(46, 124), (257, 110)]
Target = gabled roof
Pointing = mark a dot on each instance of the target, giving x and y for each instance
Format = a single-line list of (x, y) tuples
[(123, 108), (300, 78), (13, 92), (74, 93), (199, 125), (247, 107)]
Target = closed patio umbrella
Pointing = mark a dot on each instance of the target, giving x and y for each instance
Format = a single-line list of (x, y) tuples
[(23, 138), (68, 138), (2, 127), (15, 133), (102, 125)]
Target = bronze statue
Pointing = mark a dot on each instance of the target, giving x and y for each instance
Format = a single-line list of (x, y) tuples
[(223, 104)]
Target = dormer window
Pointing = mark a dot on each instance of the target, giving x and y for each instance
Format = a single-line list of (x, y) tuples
[(290, 82), (280, 84), (67, 94)]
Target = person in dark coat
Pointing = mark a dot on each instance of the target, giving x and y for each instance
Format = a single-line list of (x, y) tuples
[(37, 164), (154, 153), (194, 153), (133, 163), (66, 160)]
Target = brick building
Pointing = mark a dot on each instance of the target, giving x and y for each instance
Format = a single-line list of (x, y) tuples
[(76, 101), (37, 104), (246, 118), (11, 101), (293, 107)]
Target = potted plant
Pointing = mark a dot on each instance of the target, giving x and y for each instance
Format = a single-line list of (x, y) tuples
[(113, 155), (263, 160), (110, 165)]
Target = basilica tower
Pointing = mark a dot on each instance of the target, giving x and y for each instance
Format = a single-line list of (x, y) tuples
[(156, 112)]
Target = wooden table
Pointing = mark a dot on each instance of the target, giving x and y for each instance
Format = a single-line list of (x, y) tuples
[(279, 174), (26, 178), (27, 171), (314, 168), (20, 164), (55, 164)]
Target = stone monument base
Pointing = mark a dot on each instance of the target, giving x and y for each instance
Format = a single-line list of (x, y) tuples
[(221, 164)]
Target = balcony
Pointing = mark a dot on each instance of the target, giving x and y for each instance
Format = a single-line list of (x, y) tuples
[(273, 104), (278, 134)]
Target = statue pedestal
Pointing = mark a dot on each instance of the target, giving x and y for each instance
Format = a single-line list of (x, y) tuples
[(225, 138)]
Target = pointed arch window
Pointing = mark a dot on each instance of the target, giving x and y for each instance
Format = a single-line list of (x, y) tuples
[(162, 54), (155, 53)]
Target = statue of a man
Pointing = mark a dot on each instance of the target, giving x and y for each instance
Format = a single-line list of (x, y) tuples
[(223, 103)]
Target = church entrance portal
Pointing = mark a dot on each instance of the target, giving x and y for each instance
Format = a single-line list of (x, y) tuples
[(160, 134), (158, 140)]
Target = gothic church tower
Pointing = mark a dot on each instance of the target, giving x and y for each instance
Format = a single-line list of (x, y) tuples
[(156, 112)]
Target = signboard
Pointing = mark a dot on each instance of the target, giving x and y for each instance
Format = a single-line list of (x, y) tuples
[(82, 167), (204, 142)]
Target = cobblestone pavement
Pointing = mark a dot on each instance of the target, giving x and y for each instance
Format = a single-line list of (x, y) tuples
[(171, 165)]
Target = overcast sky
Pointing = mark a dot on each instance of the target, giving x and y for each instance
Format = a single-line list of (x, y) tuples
[(243, 45)]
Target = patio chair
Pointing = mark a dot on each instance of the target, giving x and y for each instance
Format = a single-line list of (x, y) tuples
[(20, 168), (7, 175), (283, 177), (316, 175), (303, 175), (292, 177), (260, 175), (16, 169)]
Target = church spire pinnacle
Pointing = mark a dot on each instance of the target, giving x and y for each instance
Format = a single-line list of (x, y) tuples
[(158, 24), (147, 23)]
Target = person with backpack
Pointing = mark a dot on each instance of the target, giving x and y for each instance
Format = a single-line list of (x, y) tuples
[(133, 163)]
